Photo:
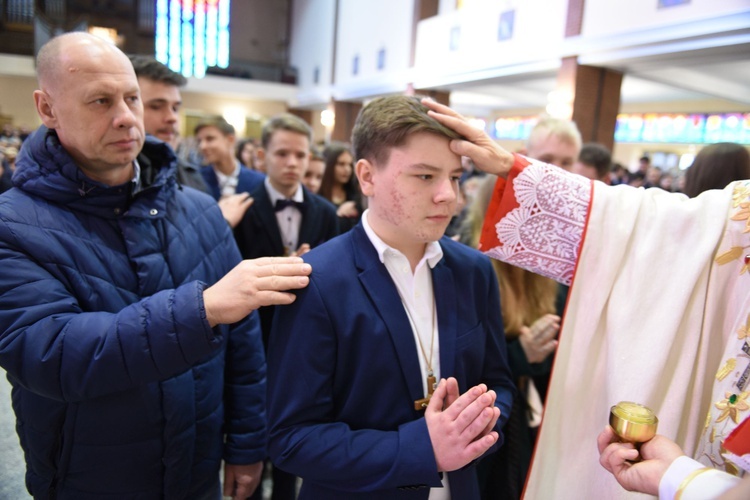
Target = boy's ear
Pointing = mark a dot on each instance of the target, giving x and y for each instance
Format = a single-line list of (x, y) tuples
[(365, 171)]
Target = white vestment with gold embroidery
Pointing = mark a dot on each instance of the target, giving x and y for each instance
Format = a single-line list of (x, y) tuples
[(658, 313)]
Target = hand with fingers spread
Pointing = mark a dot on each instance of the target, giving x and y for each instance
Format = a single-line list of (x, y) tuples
[(539, 340), (233, 207), (483, 151), (252, 284), (462, 431), (657, 455)]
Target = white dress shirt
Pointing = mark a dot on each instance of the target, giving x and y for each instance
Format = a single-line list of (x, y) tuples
[(289, 219), (418, 298), (228, 183)]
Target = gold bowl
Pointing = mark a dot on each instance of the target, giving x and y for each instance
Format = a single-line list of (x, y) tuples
[(633, 422)]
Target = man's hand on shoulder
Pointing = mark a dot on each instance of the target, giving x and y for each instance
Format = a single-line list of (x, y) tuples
[(252, 284)]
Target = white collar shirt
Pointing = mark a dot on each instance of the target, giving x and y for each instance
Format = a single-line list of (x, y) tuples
[(228, 183), (289, 219), (418, 297), (137, 184)]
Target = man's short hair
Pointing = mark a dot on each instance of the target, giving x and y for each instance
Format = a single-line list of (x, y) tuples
[(149, 68), (284, 121), (387, 122), (217, 122), (598, 156), (565, 130)]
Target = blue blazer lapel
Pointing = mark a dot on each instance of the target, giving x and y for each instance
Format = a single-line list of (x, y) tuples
[(444, 288), (381, 290), (209, 176)]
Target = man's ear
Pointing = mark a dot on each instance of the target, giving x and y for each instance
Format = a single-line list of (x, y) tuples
[(365, 171), (260, 153), (44, 109)]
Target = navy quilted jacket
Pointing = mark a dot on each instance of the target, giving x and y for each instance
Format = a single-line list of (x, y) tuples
[(120, 387)]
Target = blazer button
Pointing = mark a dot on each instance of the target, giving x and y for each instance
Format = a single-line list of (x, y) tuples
[(154, 211)]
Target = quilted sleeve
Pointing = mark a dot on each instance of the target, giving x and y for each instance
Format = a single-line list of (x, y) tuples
[(55, 349), (245, 394)]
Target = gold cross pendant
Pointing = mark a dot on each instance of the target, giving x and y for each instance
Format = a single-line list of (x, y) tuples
[(421, 404)]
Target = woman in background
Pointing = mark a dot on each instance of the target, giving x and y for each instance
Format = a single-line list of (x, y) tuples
[(531, 325), (716, 166), (314, 173), (246, 153), (340, 187)]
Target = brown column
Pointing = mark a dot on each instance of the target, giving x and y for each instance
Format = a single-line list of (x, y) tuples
[(574, 22), (437, 95), (595, 96), (345, 115), (422, 10), (305, 114), (595, 92)]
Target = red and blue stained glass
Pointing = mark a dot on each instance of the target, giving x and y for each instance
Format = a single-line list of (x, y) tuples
[(192, 35)]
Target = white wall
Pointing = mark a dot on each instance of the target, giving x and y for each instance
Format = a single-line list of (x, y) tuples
[(364, 29), (463, 45), (17, 101), (311, 47), (611, 17)]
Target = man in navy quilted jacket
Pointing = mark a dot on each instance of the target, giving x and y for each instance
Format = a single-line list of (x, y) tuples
[(126, 315)]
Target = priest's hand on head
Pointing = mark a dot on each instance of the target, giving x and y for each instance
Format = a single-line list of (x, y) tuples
[(486, 154), (461, 431), (252, 284)]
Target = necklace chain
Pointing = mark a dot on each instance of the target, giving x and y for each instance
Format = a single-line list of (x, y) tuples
[(428, 361)]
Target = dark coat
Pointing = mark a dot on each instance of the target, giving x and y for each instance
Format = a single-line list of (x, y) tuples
[(120, 387), (258, 232)]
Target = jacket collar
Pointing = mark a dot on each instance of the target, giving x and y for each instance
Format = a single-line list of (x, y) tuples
[(46, 170), (383, 294)]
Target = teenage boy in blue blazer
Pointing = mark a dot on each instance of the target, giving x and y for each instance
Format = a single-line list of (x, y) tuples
[(388, 375), (224, 174)]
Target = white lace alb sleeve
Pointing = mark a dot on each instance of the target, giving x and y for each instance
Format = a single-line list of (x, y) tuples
[(543, 234)]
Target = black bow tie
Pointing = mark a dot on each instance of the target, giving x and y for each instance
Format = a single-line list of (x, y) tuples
[(282, 204)]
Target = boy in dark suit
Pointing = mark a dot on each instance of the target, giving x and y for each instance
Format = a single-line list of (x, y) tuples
[(392, 308), (284, 219)]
